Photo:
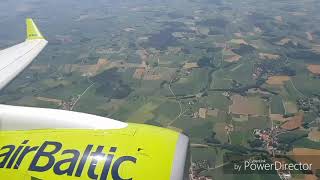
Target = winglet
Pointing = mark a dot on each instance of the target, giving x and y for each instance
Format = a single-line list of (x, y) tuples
[(32, 30)]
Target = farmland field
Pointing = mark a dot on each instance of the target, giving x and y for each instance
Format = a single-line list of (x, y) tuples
[(248, 106), (277, 105), (234, 76)]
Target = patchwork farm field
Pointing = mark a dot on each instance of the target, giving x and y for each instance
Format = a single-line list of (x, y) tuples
[(247, 106), (232, 75)]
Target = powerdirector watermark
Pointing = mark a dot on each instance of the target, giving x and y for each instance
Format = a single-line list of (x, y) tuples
[(271, 165)]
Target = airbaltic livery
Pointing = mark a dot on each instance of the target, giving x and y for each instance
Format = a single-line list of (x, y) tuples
[(37, 143)]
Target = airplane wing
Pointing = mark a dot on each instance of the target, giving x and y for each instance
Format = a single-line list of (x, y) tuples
[(15, 59), (99, 147)]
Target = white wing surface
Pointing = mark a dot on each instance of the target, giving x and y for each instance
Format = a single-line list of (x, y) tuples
[(15, 59)]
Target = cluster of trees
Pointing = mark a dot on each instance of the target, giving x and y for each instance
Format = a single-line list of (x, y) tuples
[(256, 143), (290, 137), (307, 55), (216, 22), (205, 62), (244, 49), (275, 68), (161, 40), (111, 85), (211, 139)]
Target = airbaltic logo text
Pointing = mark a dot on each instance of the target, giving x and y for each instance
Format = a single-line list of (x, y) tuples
[(44, 159)]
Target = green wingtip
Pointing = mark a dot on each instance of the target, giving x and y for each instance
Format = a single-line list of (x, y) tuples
[(32, 30)]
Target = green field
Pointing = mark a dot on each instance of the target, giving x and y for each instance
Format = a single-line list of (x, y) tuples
[(217, 100), (276, 105), (158, 38)]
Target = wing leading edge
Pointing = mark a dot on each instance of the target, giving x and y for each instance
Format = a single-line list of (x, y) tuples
[(15, 59)]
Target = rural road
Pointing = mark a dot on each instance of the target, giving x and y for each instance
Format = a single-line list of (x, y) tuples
[(180, 105), (294, 87), (79, 96)]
